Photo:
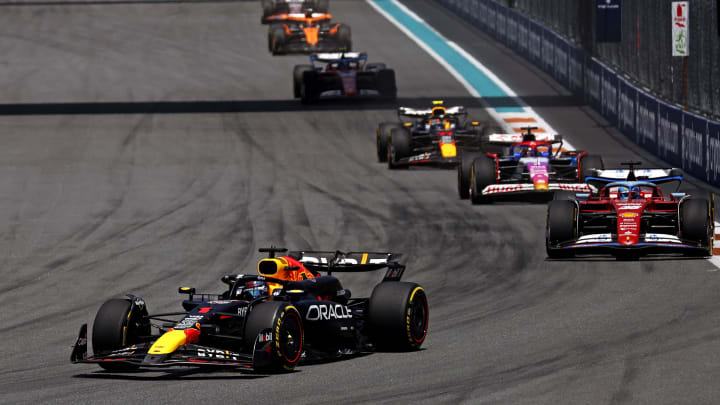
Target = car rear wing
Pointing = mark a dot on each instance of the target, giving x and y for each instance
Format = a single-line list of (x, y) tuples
[(338, 57), (352, 262), (602, 177), (413, 112), (509, 139)]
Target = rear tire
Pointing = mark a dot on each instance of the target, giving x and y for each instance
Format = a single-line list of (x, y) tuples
[(587, 164), (398, 316), (114, 328), (463, 174), (287, 340), (308, 87), (298, 72), (400, 146), (344, 38), (277, 38), (560, 227), (386, 84), (382, 139), (482, 174), (696, 224)]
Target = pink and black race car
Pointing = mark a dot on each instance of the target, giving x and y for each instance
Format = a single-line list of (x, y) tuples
[(342, 74), (532, 165), (631, 216)]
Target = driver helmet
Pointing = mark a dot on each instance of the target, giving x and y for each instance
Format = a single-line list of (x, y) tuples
[(635, 193), (253, 290), (623, 193)]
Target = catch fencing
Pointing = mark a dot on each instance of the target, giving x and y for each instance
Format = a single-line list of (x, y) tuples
[(566, 50)]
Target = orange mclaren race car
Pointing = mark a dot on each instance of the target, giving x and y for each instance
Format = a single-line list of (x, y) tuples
[(274, 7), (267, 322), (307, 33)]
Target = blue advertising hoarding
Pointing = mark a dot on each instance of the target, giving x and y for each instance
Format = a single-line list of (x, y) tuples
[(692, 146), (627, 99), (713, 153), (608, 20), (646, 122), (609, 95)]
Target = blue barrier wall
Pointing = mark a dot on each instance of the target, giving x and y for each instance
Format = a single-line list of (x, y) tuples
[(682, 139)]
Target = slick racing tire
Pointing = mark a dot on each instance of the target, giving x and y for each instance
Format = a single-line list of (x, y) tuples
[(587, 164), (386, 84), (398, 316), (309, 87), (115, 327), (482, 174), (561, 227), (463, 173), (696, 223), (298, 72), (276, 39), (287, 335), (344, 38), (382, 140), (399, 146)]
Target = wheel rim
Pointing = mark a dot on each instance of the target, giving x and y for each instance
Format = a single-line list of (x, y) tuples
[(291, 338), (419, 319)]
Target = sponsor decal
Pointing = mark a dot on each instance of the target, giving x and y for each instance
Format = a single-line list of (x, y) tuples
[(347, 260), (188, 322), (424, 156), (242, 311), (326, 312), (265, 337), (211, 353)]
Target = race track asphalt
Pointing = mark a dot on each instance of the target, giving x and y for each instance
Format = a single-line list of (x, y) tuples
[(148, 145)]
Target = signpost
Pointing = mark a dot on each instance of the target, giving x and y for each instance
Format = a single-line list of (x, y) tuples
[(681, 37)]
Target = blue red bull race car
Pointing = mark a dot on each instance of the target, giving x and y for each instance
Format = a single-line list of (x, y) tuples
[(268, 322), (535, 165)]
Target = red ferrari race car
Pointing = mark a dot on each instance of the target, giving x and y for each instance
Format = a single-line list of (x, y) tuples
[(307, 33), (277, 7), (343, 74), (532, 165), (631, 216)]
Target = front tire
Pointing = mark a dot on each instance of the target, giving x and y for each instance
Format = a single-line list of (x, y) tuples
[(400, 146), (382, 139), (276, 39), (344, 38), (696, 224), (386, 84), (464, 168), (482, 174), (398, 316), (115, 327), (286, 345), (561, 227)]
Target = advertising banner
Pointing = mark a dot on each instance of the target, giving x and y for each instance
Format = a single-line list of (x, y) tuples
[(511, 30), (593, 88), (669, 126), (523, 37), (627, 106), (646, 121), (576, 62), (500, 23), (609, 95), (680, 28), (548, 50), (692, 146), (713, 153), (491, 17), (562, 50), (535, 42)]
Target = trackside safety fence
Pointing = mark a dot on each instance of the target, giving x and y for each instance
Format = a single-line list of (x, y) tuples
[(681, 138)]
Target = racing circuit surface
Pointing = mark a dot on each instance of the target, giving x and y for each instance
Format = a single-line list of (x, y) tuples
[(186, 154)]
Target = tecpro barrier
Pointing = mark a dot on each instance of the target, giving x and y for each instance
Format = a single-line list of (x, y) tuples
[(680, 138)]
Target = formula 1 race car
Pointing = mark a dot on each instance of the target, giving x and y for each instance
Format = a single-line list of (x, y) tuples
[(267, 322), (631, 216), (436, 137), (276, 7), (534, 165), (344, 74), (307, 33)]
